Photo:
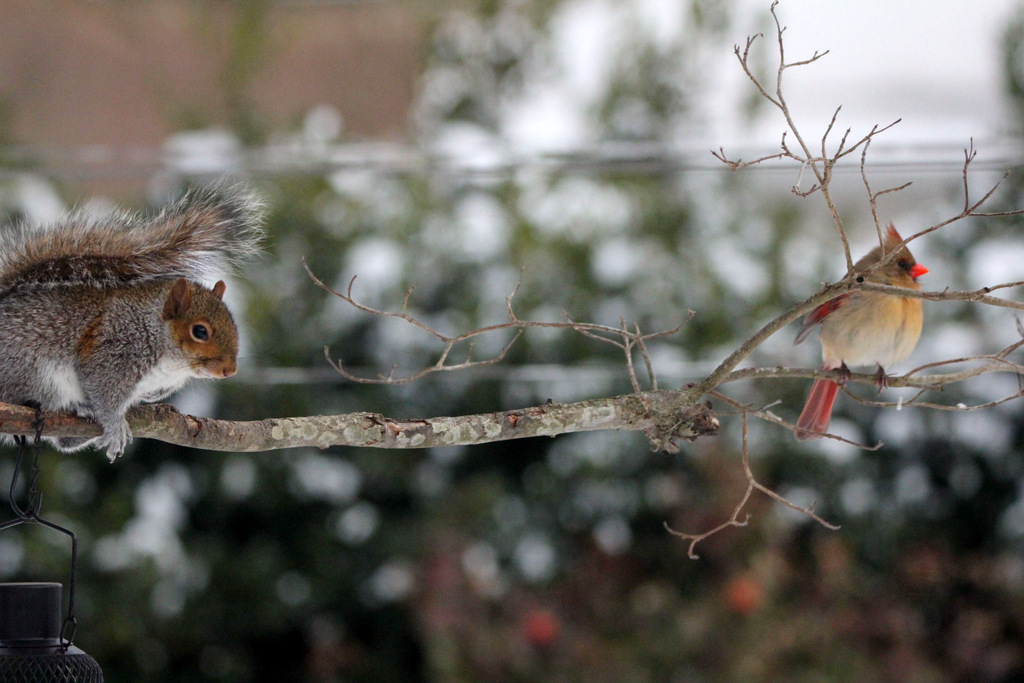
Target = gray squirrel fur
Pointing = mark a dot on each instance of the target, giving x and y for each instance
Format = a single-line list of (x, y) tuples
[(100, 314)]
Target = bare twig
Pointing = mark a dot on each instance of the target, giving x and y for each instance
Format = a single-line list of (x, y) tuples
[(622, 337), (734, 519), (981, 296), (768, 416), (873, 196)]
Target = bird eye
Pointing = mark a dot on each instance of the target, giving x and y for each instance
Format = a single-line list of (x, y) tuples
[(200, 332), (904, 264)]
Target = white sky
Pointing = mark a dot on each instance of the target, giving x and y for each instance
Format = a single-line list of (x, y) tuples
[(933, 63)]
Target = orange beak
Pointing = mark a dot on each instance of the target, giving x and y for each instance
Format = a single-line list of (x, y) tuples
[(917, 270)]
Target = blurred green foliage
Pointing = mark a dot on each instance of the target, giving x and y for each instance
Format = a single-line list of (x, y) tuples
[(546, 560)]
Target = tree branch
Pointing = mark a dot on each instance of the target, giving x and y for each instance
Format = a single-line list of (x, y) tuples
[(663, 416)]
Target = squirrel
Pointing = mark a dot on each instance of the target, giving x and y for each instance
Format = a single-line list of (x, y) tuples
[(100, 314)]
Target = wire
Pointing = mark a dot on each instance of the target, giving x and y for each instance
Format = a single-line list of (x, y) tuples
[(631, 158)]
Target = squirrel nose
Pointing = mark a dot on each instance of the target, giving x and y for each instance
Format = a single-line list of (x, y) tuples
[(227, 369)]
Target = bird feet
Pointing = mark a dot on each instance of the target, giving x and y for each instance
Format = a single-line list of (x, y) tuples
[(844, 375), (881, 379)]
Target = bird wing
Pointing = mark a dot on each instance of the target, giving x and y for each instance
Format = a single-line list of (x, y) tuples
[(819, 314)]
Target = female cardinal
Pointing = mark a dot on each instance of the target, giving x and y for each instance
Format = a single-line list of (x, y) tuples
[(863, 328)]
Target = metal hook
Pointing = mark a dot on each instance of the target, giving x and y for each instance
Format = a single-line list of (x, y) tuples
[(35, 500), (30, 515)]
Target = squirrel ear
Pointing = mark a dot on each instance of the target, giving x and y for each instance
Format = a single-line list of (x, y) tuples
[(178, 299), (218, 289)]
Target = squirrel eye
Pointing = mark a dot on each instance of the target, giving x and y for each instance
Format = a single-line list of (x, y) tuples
[(200, 332)]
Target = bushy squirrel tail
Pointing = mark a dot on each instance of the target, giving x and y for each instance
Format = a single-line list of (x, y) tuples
[(207, 231)]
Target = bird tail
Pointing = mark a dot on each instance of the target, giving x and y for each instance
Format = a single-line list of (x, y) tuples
[(817, 412)]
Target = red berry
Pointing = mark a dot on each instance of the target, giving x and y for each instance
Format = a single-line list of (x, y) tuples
[(743, 594), (541, 627)]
